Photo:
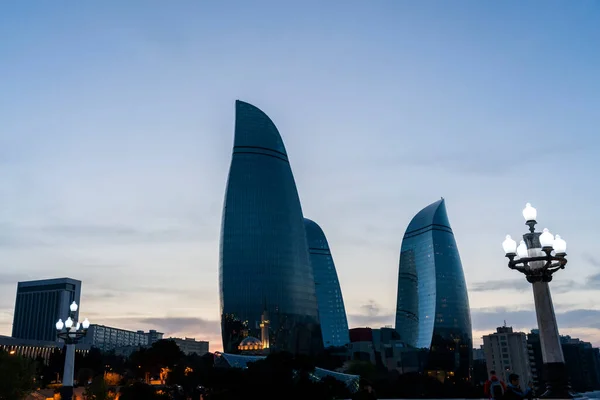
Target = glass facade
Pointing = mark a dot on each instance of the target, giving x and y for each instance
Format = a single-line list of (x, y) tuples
[(264, 262), (433, 306), (332, 312), (40, 304)]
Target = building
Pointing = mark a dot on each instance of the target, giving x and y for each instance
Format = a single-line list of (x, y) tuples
[(153, 336), (480, 370), (479, 354), (384, 348), (506, 352), (264, 262), (190, 346), (332, 313), (40, 304), (581, 358), (36, 348), (241, 361), (433, 307), (107, 338)]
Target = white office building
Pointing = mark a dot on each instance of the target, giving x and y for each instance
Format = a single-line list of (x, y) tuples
[(506, 352)]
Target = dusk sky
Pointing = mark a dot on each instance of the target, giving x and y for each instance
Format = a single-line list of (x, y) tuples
[(116, 130)]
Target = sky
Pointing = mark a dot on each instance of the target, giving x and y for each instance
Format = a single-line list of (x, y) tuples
[(116, 129)]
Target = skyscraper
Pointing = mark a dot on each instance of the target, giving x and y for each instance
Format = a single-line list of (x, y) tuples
[(40, 304), (433, 306), (264, 262), (332, 313)]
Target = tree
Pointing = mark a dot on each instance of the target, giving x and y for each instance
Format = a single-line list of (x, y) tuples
[(165, 354), (84, 375), (364, 369), (162, 354), (138, 391), (332, 358), (98, 390), (17, 376), (93, 360), (112, 378)]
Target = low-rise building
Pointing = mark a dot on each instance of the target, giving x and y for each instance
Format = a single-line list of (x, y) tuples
[(480, 372), (36, 348), (581, 358), (383, 347), (191, 346), (107, 338)]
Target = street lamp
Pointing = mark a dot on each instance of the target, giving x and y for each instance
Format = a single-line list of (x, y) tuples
[(539, 256), (71, 331)]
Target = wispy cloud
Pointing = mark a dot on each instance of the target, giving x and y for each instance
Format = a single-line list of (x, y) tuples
[(48, 235), (593, 282), (490, 318), (11, 278), (595, 262), (372, 315), (521, 285), (183, 324), (486, 161)]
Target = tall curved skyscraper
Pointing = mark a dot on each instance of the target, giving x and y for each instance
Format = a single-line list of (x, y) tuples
[(433, 306), (264, 262), (332, 312)]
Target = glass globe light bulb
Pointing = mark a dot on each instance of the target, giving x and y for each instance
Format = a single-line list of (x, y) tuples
[(85, 324), (546, 239), (69, 323), (509, 245), (529, 213), (59, 325), (73, 307), (522, 250), (560, 246)]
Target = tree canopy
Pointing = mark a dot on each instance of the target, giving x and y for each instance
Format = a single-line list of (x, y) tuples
[(17, 376)]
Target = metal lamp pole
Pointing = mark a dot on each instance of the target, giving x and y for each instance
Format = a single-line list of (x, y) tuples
[(70, 331), (534, 257)]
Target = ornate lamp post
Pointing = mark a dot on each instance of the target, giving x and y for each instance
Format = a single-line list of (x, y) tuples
[(71, 331), (539, 256)]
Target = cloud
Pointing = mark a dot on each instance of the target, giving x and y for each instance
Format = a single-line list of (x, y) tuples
[(11, 278), (484, 162), (592, 260), (593, 282), (121, 233), (371, 316), (48, 235), (89, 295), (521, 285), (167, 325), (490, 318), (180, 324)]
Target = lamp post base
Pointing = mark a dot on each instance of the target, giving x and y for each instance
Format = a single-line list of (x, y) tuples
[(557, 382), (66, 392)]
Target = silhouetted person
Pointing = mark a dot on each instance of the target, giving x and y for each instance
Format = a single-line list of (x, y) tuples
[(514, 391), (494, 388)]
